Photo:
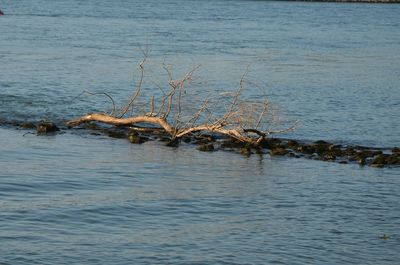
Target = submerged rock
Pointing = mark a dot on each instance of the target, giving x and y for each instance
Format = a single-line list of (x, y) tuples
[(45, 127), (135, 138), (232, 143), (279, 151), (207, 147), (270, 142), (293, 143), (246, 151), (379, 161), (116, 134), (28, 125), (306, 149), (173, 143), (327, 156)]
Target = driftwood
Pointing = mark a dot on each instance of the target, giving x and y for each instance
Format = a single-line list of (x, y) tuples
[(242, 120)]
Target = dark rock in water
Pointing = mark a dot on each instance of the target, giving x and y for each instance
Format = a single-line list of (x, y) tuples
[(206, 147), (364, 154), (135, 138), (321, 142), (279, 151), (321, 147), (396, 150), (186, 139), (336, 150), (361, 161), (202, 141), (45, 127), (349, 151), (173, 143), (232, 144), (379, 161), (116, 134), (393, 159), (292, 143), (166, 139), (327, 156), (270, 142), (259, 151), (28, 125), (207, 137), (246, 151), (306, 149)]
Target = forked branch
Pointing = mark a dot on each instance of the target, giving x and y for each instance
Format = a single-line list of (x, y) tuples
[(242, 120)]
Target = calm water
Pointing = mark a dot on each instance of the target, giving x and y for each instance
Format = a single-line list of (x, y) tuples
[(76, 198)]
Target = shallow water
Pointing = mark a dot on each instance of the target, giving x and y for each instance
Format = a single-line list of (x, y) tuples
[(73, 199), (77, 198)]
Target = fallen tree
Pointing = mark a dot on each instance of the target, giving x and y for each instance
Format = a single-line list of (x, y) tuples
[(177, 113)]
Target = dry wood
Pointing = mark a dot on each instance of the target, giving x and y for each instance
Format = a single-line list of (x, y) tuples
[(242, 120)]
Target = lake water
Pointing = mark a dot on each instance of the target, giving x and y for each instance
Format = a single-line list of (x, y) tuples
[(77, 198)]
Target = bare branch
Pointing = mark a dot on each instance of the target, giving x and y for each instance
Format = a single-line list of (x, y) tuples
[(243, 120), (138, 88), (104, 118), (101, 93)]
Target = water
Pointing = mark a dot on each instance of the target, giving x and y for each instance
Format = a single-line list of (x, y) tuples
[(77, 198)]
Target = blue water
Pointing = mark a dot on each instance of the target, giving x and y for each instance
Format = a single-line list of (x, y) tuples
[(77, 198)]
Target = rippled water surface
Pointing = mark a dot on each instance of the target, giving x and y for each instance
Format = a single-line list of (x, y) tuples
[(77, 198)]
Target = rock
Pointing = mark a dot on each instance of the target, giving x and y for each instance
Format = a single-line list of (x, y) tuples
[(336, 150), (173, 143), (270, 142), (321, 147), (164, 138), (186, 139), (349, 151), (362, 156), (393, 159), (327, 156), (292, 143), (361, 161), (206, 147), (279, 151), (259, 151), (45, 127), (116, 134), (135, 138), (202, 141), (306, 149), (396, 150), (321, 142), (27, 125), (369, 153), (232, 144), (246, 151), (385, 237), (379, 160)]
